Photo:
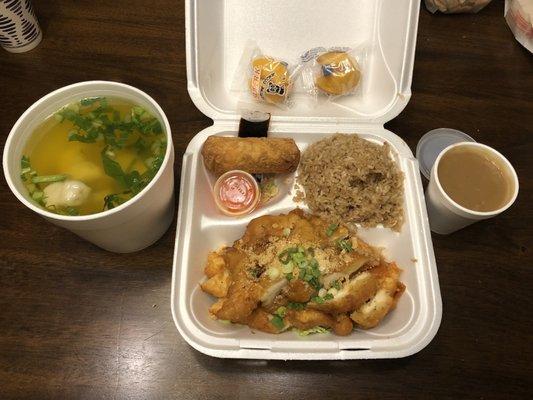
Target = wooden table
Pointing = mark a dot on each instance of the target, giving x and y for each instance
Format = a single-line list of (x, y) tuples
[(78, 322)]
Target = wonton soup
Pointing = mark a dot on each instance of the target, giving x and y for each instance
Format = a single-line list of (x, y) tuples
[(92, 155)]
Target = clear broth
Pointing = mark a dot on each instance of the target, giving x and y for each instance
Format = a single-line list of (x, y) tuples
[(51, 152)]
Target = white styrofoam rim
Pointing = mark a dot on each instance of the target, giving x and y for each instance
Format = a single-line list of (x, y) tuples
[(453, 204), (9, 174)]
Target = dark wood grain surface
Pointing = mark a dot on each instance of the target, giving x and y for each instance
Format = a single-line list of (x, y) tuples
[(78, 322)]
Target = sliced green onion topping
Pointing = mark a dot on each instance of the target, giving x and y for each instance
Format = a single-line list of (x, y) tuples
[(331, 229), (49, 178), (281, 311), (277, 321), (345, 245), (37, 195), (336, 284), (295, 306)]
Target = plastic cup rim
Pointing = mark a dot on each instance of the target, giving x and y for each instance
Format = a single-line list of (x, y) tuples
[(9, 174), (463, 209)]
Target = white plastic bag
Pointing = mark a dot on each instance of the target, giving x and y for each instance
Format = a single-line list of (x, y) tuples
[(519, 17), (456, 6)]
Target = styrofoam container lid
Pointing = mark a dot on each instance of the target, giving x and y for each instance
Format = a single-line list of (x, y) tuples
[(433, 142), (385, 30)]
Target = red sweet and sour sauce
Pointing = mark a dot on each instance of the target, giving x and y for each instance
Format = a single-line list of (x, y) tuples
[(236, 193)]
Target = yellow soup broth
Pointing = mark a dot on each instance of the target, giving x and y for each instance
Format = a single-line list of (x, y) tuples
[(85, 142)]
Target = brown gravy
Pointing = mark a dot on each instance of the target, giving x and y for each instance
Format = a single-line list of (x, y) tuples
[(474, 178)]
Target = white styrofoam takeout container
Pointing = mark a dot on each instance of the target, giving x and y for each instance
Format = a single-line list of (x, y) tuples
[(217, 33)]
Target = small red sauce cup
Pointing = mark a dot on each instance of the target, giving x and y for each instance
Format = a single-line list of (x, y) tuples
[(236, 193)]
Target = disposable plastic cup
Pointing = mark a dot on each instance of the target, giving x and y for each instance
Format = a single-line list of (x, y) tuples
[(126, 228), (447, 216), (19, 28)]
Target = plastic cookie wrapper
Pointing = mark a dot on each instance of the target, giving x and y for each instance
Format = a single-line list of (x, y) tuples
[(263, 80), (456, 6), (330, 73)]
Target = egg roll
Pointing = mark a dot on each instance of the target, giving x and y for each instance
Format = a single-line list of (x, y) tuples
[(253, 155)]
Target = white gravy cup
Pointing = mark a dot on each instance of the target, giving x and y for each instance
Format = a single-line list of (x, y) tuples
[(129, 227), (447, 216)]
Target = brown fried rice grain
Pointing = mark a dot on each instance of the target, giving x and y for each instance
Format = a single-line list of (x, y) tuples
[(352, 180)]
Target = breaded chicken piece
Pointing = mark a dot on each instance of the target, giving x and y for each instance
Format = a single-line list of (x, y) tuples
[(241, 301), (352, 296), (215, 263), (243, 294), (298, 291), (219, 276), (218, 284), (385, 299), (262, 321)]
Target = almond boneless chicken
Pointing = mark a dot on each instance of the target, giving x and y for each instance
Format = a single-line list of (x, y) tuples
[(298, 271)]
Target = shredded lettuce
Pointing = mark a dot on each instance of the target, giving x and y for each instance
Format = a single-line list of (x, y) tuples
[(316, 329)]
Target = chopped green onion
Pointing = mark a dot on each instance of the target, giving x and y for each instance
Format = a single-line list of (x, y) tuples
[(114, 200), (25, 162), (73, 107), (72, 135), (137, 110), (72, 211), (331, 229), (328, 296), (89, 101), (273, 273), (295, 306), (318, 299), (49, 178), (286, 255), (336, 284), (149, 161), (287, 268), (37, 195), (277, 321), (345, 245), (281, 311)]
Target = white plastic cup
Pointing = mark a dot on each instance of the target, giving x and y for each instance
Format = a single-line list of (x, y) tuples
[(19, 28), (129, 227), (447, 216)]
